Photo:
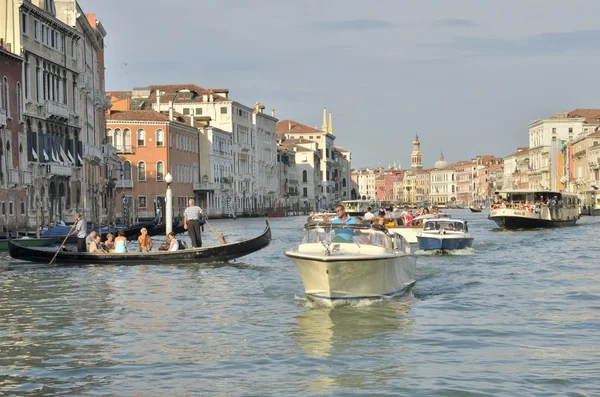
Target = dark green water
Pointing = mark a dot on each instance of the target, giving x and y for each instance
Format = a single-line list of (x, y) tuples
[(517, 316)]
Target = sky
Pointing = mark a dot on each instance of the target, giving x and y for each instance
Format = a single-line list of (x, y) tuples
[(467, 76)]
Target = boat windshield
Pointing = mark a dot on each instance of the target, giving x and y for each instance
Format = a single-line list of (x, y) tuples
[(444, 224), (342, 233)]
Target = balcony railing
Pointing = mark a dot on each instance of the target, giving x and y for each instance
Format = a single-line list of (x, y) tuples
[(25, 177), (292, 181), (59, 169), (13, 176), (34, 109), (91, 152), (203, 186), (2, 118), (124, 149), (56, 110), (124, 183), (109, 150), (245, 146)]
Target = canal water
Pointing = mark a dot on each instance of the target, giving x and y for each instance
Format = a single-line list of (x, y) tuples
[(517, 316)]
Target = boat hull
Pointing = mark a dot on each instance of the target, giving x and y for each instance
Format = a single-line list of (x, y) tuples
[(517, 222), (31, 242), (409, 233), (342, 278), (444, 243), (218, 253)]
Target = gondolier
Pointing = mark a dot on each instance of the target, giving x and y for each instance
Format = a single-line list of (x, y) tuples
[(191, 222), (81, 231)]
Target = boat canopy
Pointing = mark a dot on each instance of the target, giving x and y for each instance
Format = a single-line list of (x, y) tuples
[(459, 225)]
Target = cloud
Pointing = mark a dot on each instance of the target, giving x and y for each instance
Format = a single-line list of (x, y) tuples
[(457, 23), (551, 43), (355, 24)]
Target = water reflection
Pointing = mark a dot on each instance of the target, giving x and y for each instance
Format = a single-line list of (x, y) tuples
[(366, 332)]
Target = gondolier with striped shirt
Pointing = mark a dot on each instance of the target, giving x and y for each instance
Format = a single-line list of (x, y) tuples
[(191, 222)]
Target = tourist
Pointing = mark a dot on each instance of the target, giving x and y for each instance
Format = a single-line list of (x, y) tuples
[(344, 234), (191, 222), (145, 241), (173, 243), (120, 242), (369, 215), (90, 237), (93, 247), (81, 232), (110, 242)]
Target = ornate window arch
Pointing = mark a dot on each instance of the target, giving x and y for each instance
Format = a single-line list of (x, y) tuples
[(141, 168)]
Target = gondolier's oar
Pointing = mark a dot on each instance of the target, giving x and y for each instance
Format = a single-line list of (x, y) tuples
[(62, 245), (221, 237)]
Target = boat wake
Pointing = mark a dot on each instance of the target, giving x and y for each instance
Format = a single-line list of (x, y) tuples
[(462, 252)]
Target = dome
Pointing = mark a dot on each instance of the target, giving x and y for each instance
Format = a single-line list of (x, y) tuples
[(441, 163)]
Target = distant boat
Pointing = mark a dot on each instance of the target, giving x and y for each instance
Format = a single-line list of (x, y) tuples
[(475, 209), (529, 209)]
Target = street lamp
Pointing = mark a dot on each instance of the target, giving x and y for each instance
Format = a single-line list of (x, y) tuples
[(169, 205)]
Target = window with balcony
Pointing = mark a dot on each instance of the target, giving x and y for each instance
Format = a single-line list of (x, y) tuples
[(160, 171), (141, 171), (127, 171), (141, 138)]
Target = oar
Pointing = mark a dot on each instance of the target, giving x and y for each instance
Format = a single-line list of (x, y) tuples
[(221, 237), (61, 246)]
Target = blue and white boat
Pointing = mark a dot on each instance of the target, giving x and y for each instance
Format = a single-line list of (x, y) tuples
[(444, 235)]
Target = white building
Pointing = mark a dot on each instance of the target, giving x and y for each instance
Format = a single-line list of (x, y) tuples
[(442, 181)]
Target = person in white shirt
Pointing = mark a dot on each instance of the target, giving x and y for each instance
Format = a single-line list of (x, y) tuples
[(368, 215), (173, 243)]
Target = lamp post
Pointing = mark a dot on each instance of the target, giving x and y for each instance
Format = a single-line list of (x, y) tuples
[(169, 205)]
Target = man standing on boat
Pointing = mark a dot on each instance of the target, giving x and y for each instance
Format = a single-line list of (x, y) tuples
[(191, 222), (369, 215), (81, 231)]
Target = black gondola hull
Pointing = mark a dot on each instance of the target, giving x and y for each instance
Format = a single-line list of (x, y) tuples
[(217, 253)]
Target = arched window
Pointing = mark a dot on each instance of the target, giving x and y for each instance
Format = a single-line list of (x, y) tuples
[(19, 103), (141, 171), (160, 138), (5, 103), (127, 171), (304, 176), (127, 140), (141, 138), (109, 137), (160, 170), (118, 139)]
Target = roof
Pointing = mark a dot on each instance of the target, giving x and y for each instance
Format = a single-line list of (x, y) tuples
[(594, 134), (521, 150), (591, 115), (146, 115), (286, 126), (119, 94), (171, 92)]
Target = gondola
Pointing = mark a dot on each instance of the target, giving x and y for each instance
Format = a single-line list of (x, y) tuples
[(216, 253), (475, 209)]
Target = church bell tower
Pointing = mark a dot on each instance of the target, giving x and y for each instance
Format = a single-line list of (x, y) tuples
[(416, 159)]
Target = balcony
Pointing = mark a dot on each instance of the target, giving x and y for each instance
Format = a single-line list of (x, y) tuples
[(594, 165), (292, 181), (125, 149), (245, 147), (34, 109), (57, 111), (92, 153), (109, 151), (58, 170), (25, 177), (124, 183), (3, 118), (204, 186), (101, 100), (13, 177), (224, 186)]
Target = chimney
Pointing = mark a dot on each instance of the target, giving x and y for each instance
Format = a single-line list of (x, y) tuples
[(170, 110), (211, 97), (204, 97), (272, 112), (289, 125), (192, 117), (158, 100)]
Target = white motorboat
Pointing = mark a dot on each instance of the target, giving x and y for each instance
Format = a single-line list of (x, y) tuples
[(528, 209), (342, 262), (445, 234), (411, 232)]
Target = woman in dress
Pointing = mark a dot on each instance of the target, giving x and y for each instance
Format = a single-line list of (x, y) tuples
[(173, 243), (121, 243)]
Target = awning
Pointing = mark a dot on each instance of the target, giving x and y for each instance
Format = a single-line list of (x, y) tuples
[(64, 156), (45, 154), (70, 157), (34, 153), (79, 158), (54, 156)]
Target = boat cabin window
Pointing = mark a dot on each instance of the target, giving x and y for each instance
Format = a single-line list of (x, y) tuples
[(355, 234), (445, 225)]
